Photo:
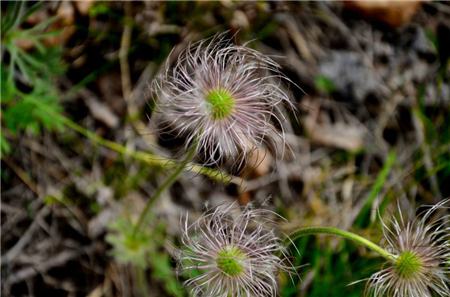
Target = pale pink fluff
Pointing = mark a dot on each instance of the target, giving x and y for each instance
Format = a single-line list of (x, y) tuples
[(429, 239), (244, 228), (253, 80)]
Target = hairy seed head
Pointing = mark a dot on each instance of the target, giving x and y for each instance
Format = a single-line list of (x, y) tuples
[(232, 252), (226, 97), (422, 250)]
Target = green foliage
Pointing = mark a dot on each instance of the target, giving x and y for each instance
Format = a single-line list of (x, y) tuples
[(99, 8), (144, 249), (4, 145), (328, 270), (363, 215), (129, 247), (436, 129), (27, 76), (324, 85), (50, 200), (161, 265), (23, 114), (123, 180)]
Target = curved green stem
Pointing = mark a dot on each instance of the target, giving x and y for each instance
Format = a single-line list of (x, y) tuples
[(165, 185), (342, 233), (145, 157), (149, 158)]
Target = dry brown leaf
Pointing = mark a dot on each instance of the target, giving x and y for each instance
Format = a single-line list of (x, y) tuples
[(83, 6), (339, 134), (259, 162), (393, 13)]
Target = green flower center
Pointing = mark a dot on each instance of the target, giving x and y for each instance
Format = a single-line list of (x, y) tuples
[(221, 103), (408, 264), (229, 261)]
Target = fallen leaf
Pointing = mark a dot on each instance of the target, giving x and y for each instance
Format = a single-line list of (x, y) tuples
[(393, 13)]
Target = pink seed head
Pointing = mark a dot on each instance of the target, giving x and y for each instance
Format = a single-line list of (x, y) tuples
[(422, 249), (224, 96), (234, 252)]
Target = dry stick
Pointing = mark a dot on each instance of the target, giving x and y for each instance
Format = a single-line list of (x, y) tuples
[(125, 76), (123, 53), (25, 238), (23, 176), (42, 267)]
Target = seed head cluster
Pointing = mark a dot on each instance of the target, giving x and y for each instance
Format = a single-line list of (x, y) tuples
[(232, 252), (224, 97), (422, 264)]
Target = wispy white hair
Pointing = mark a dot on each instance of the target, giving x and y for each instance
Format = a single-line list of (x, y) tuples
[(243, 228), (252, 79), (428, 239)]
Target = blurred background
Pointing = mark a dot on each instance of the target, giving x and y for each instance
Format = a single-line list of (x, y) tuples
[(371, 132)]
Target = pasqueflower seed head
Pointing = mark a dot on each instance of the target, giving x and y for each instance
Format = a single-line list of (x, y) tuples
[(232, 252), (225, 97), (422, 258)]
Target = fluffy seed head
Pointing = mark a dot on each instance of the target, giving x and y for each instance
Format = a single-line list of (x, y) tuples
[(232, 252), (224, 96), (421, 267)]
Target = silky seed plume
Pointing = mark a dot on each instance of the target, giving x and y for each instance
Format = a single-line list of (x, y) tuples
[(421, 266), (226, 97), (232, 251)]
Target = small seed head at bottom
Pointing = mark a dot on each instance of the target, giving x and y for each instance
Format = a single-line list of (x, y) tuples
[(232, 251), (422, 249)]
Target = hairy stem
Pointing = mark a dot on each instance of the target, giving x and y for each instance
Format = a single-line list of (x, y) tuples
[(148, 158), (165, 185), (342, 233)]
